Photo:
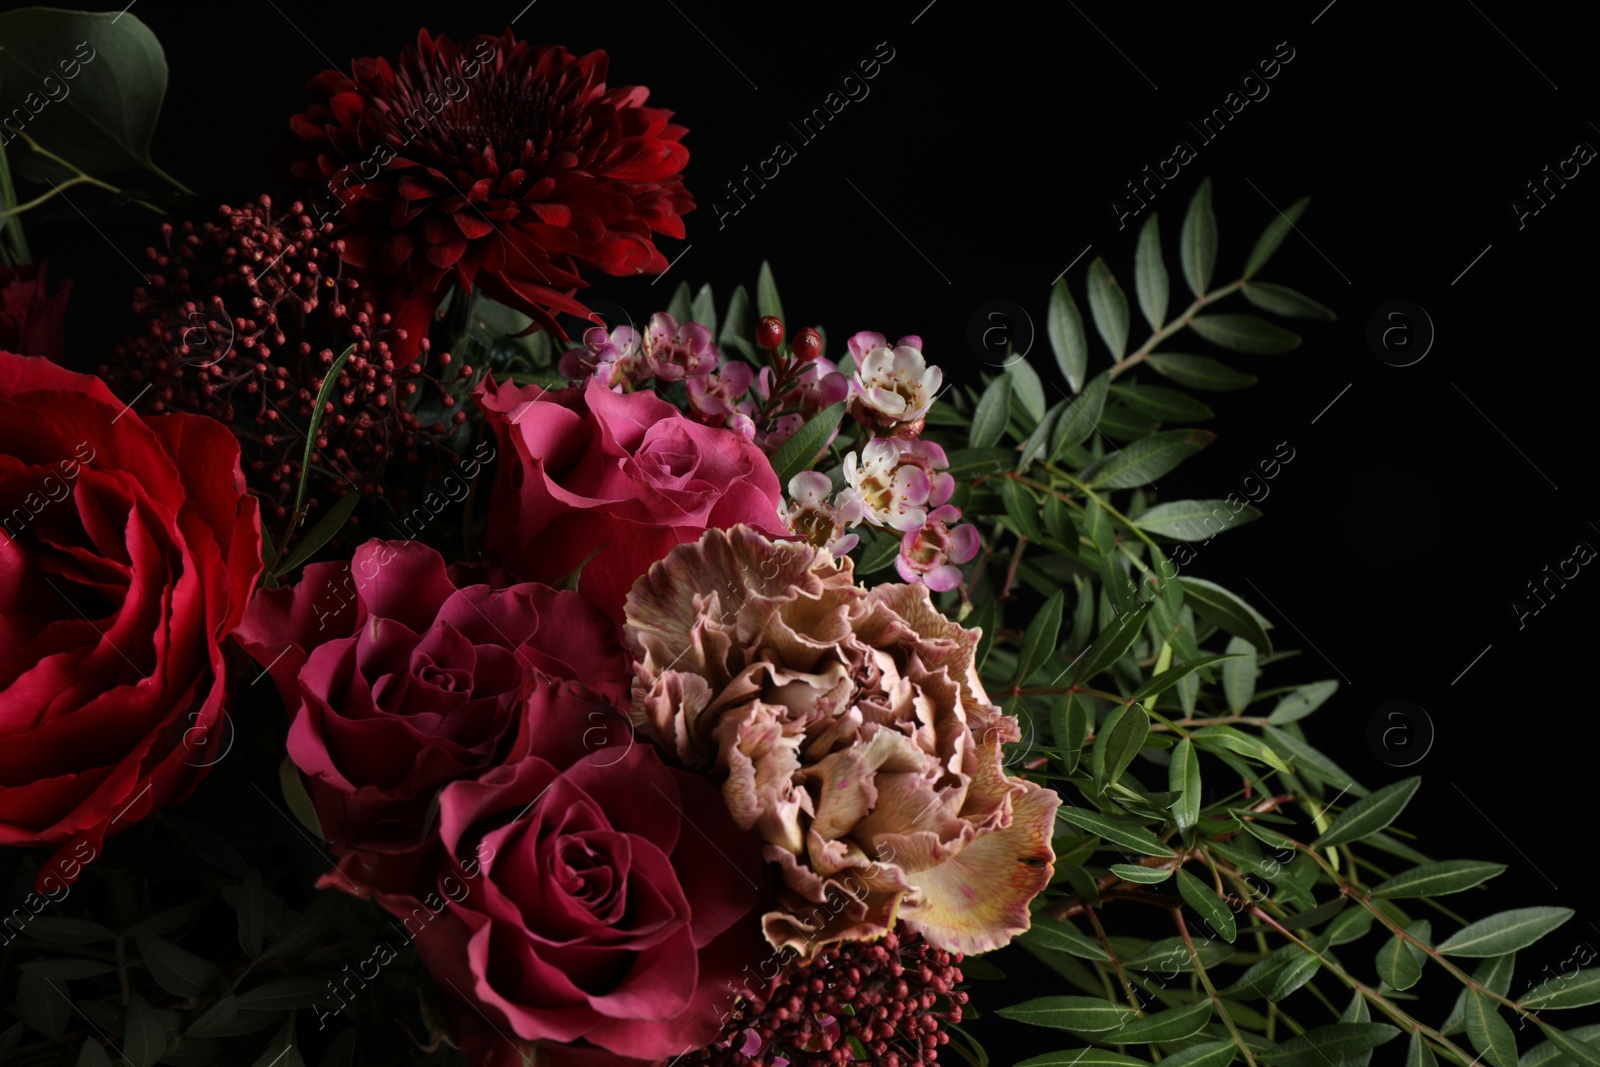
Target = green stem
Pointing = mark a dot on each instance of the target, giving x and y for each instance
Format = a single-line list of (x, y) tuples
[(1135, 358), (18, 253), (169, 179), (1378, 1000), (1211, 990), (81, 179)]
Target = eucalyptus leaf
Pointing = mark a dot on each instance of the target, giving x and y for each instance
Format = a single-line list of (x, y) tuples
[(1065, 327), (1108, 306), (1197, 242), (1150, 274), (1243, 332), (1199, 372), (1273, 236)]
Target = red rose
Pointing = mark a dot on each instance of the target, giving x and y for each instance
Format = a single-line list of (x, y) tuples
[(128, 549), (31, 321), (619, 477), (400, 677), (607, 900)]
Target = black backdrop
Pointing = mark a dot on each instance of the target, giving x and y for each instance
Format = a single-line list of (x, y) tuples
[(984, 159)]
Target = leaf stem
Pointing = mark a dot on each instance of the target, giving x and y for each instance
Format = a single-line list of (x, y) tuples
[(1135, 358), (1211, 990)]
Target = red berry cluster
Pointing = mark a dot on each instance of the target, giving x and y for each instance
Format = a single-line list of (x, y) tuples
[(241, 318), (889, 995)]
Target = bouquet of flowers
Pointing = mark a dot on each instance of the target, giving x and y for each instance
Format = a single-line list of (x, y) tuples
[(402, 663)]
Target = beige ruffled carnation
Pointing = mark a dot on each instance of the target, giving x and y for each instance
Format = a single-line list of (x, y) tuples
[(850, 730)]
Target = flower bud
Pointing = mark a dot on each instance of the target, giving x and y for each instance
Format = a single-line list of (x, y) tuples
[(769, 332), (807, 345)]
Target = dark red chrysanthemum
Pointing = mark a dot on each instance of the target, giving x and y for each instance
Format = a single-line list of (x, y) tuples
[(241, 318), (493, 163), (882, 999)]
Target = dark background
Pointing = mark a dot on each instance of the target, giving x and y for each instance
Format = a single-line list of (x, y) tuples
[(983, 162)]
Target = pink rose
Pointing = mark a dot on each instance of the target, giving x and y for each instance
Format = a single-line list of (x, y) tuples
[(606, 901), (400, 677), (615, 480)]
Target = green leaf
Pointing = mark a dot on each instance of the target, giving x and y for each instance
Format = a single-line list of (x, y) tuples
[(252, 910), (1200, 372), (1205, 1054), (976, 463), (281, 1051), (143, 1039), (1022, 508), (969, 463), (1183, 778), (1418, 1054), (1157, 401), (1150, 274), (992, 414), (1243, 332), (880, 552), (1027, 389), (1273, 236), (42, 1004), (1548, 1054), (1239, 674), (1172, 953), (1186, 520), (1197, 243), (282, 994), (1328, 1044), (1078, 421), (1085, 1014), (1437, 879), (1296, 973), (1145, 460), (105, 119), (1124, 833), (1170, 1025), (1122, 740), (1579, 1051), (92, 1054), (56, 930), (801, 450), (179, 972), (1081, 1057), (1370, 814), (1281, 300), (299, 801), (1504, 932), (1039, 642), (204, 844), (1217, 915), (1578, 990), (1133, 872), (303, 932), (1227, 610), (767, 302), (704, 309), (1038, 442), (1061, 937), (1174, 674), (1493, 974), (1079, 715), (1302, 702), (1108, 306), (330, 381), (1065, 327), (326, 528), (1397, 965), (1109, 646), (67, 970), (1488, 1032), (739, 327), (1309, 762), (680, 306), (1228, 739)]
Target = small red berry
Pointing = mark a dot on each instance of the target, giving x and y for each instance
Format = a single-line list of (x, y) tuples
[(807, 345), (769, 332)]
